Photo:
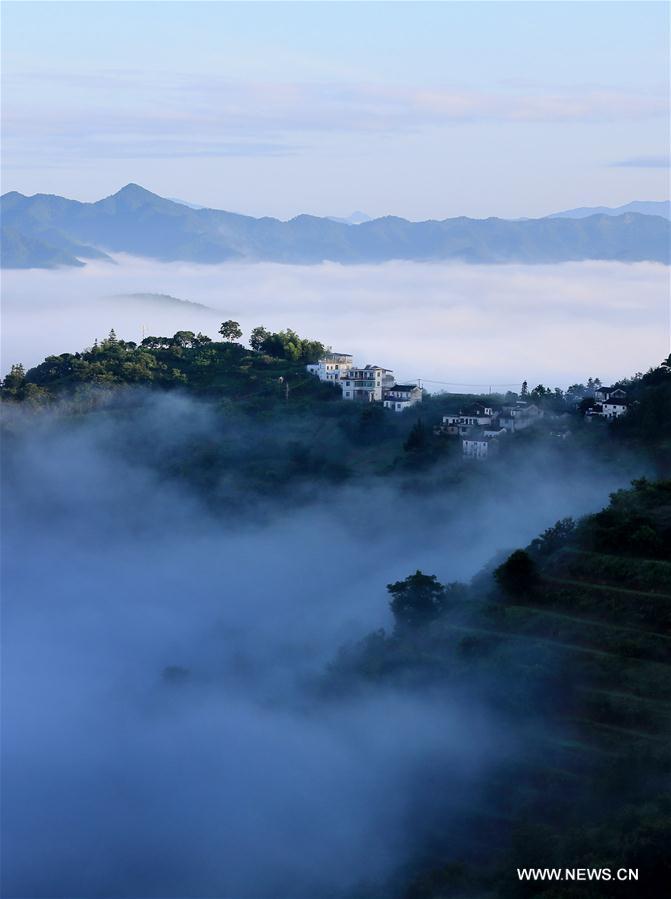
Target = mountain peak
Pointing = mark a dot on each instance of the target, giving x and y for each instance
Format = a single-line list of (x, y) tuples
[(132, 188), (135, 190), (132, 196), (133, 193)]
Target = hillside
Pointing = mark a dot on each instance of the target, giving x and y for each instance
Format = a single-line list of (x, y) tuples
[(570, 642), (138, 222), (21, 251), (561, 646)]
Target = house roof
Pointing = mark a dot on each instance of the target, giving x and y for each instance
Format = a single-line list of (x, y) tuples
[(477, 435)]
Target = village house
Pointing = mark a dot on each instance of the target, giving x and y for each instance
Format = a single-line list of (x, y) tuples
[(604, 394), (612, 408), (480, 444), (402, 396), (331, 367), (366, 384), (474, 416), (519, 416), (370, 383)]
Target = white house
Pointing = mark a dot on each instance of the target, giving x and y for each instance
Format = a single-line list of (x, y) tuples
[(474, 415), (366, 384), (614, 408), (469, 418), (521, 415), (402, 396), (478, 444), (331, 367)]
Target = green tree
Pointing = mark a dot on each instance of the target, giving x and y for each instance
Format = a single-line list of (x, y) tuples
[(14, 381), (416, 600), (230, 330), (540, 392), (286, 345), (418, 438), (156, 343), (554, 538), (518, 574), (184, 339), (258, 338)]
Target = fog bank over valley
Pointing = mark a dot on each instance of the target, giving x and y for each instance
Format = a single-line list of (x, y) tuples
[(498, 325), (189, 646)]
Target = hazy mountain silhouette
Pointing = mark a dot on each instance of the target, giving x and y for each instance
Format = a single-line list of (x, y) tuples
[(356, 218), (644, 207), (46, 231), (158, 299)]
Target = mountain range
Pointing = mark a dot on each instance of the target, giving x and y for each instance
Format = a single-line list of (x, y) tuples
[(644, 207), (46, 231)]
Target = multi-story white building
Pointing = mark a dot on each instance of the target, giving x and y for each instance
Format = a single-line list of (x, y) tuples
[(331, 367), (366, 384), (402, 396)]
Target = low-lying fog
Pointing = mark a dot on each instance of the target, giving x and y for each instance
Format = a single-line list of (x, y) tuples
[(499, 325), (235, 781)]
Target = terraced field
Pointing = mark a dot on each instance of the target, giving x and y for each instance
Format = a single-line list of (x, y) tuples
[(577, 661)]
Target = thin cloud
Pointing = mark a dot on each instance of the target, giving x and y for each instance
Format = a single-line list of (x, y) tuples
[(117, 116), (550, 323), (644, 162)]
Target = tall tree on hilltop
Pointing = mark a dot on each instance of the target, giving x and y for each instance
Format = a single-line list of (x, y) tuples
[(416, 600), (230, 330)]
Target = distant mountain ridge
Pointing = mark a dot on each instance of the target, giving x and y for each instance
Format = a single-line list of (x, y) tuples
[(45, 231), (356, 218), (159, 299), (643, 207)]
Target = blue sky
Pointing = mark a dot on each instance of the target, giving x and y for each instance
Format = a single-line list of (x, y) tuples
[(425, 110)]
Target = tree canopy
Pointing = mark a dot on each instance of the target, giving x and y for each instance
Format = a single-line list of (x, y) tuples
[(416, 600)]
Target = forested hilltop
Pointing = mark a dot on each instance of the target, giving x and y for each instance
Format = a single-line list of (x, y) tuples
[(307, 429), (569, 641)]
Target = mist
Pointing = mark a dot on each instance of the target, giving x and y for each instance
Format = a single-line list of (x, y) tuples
[(444, 323), (164, 730)]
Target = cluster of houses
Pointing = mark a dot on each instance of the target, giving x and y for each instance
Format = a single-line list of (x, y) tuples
[(365, 385), (479, 427)]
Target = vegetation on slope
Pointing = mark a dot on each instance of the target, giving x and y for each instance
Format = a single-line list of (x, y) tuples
[(303, 431), (570, 640)]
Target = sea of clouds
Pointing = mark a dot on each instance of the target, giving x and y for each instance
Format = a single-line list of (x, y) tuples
[(447, 323)]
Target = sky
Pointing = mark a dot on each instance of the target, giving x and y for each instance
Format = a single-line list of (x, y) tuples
[(425, 110)]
